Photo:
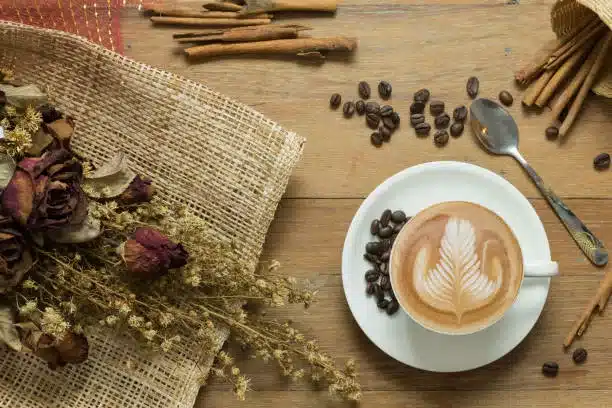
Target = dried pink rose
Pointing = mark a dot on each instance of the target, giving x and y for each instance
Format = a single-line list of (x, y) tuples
[(15, 257), (140, 190), (151, 254), (18, 197)]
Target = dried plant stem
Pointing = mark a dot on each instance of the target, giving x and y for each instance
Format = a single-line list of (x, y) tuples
[(526, 74), (536, 88), (185, 12), (209, 22), (222, 6), (258, 6), (583, 39), (248, 34)]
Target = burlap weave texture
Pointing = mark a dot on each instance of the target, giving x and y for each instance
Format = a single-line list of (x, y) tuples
[(225, 161)]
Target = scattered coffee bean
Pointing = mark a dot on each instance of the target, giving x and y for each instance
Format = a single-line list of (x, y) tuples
[(460, 113), (364, 90), (386, 243), (441, 138), (422, 95), (602, 161), (385, 89), (392, 307), (417, 107), (374, 248), (398, 227), (370, 289), (376, 139), (374, 227), (386, 110), (388, 122), (456, 129), (442, 121), (472, 86), (422, 129), (550, 369), (371, 258), (372, 107), (372, 275), (398, 216), (385, 133), (348, 109), (382, 304), (395, 117), (335, 101), (386, 232), (360, 107), (436, 108), (579, 356), (385, 217), (378, 292), (385, 283), (506, 98), (552, 132), (386, 255), (372, 120), (417, 118)]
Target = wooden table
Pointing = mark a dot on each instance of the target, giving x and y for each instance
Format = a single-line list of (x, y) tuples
[(438, 45)]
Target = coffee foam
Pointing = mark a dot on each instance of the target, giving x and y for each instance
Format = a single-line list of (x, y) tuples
[(456, 267)]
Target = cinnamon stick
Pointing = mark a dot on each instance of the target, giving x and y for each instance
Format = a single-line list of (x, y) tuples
[(222, 6), (581, 40), (536, 87), (292, 46), (535, 66), (257, 33), (182, 12), (259, 6), (586, 85), (209, 22)]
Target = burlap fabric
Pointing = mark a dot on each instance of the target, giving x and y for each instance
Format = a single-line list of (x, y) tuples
[(566, 15), (227, 162)]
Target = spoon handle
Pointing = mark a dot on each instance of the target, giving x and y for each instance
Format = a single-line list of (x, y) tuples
[(592, 247)]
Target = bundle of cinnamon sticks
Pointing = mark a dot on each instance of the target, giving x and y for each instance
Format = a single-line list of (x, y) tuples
[(244, 27), (564, 70)]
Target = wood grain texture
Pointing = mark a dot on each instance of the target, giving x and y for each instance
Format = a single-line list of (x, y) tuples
[(412, 44)]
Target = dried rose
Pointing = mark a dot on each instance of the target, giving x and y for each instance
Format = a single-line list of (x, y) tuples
[(18, 197), (15, 257), (73, 348), (150, 254), (139, 191)]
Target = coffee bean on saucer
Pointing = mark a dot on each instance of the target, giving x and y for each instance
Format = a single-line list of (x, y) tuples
[(385, 283), (374, 248), (360, 107), (385, 89), (398, 227), (335, 101), (602, 161), (385, 133), (348, 109), (372, 275), (436, 108), (372, 107), (472, 86), (579, 356), (372, 120), (376, 139), (417, 118), (384, 268), (385, 217), (550, 369), (382, 304), (378, 292), (552, 132), (385, 256), (392, 307), (374, 227), (417, 107), (506, 98), (442, 121), (386, 232), (422, 95), (386, 110), (398, 216), (460, 113), (371, 258), (370, 289), (456, 129), (364, 90), (422, 129)]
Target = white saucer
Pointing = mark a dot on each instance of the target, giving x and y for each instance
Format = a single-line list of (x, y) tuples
[(412, 190)]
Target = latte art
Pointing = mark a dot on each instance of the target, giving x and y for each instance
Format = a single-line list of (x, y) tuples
[(457, 283), (456, 267)]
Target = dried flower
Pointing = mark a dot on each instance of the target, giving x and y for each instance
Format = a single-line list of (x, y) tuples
[(139, 191), (53, 323), (15, 258)]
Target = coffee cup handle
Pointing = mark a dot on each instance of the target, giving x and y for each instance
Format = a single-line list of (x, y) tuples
[(541, 269)]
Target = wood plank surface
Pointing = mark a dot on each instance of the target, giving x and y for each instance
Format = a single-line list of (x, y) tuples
[(413, 44)]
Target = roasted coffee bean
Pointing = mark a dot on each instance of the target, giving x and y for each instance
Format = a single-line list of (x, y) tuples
[(385, 133), (385, 89), (385, 283), (602, 161), (372, 120), (386, 243), (374, 227), (372, 275), (335, 101), (417, 107), (371, 258), (392, 307), (442, 121), (386, 110), (441, 138), (370, 289), (385, 256), (360, 107), (378, 292), (472, 86), (382, 304), (348, 109), (417, 118), (395, 117), (398, 216), (550, 369), (372, 107), (506, 98), (552, 132), (376, 139), (456, 129), (422, 95), (398, 227), (579, 356), (460, 113), (384, 268), (374, 248), (388, 122), (364, 90), (386, 232), (436, 108), (385, 217), (422, 129)]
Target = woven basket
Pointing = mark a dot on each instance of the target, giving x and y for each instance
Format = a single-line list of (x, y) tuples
[(225, 161), (566, 15)]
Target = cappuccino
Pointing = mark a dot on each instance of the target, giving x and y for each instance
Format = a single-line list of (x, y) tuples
[(456, 267)]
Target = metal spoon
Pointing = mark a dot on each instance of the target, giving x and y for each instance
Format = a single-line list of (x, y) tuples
[(498, 133)]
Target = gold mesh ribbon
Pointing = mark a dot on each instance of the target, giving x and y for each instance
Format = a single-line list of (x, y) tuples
[(566, 15)]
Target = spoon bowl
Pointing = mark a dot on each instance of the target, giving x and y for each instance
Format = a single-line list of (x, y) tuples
[(494, 127)]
